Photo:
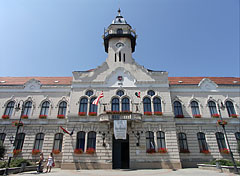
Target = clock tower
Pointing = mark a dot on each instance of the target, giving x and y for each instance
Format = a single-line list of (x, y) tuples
[(119, 41)]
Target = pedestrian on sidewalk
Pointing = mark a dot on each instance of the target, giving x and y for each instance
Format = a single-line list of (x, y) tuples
[(50, 162), (40, 161)]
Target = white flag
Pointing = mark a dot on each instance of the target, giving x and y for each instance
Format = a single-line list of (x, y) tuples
[(97, 99)]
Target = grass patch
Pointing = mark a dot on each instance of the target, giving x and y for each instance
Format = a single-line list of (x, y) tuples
[(224, 162)]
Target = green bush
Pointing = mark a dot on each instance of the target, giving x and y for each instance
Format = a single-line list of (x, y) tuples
[(17, 162), (3, 164), (224, 162)]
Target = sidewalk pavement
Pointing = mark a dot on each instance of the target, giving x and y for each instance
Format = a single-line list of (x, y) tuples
[(143, 172)]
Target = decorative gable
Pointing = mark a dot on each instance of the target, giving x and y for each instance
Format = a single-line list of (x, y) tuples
[(207, 84), (120, 78), (32, 85)]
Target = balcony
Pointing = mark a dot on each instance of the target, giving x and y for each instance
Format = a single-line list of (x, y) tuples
[(112, 34), (108, 116)]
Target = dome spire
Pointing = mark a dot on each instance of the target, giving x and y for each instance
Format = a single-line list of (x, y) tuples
[(119, 12)]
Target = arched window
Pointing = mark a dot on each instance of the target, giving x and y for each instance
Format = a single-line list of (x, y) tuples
[(115, 57), (147, 105), (120, 93), (58, 139), (151, 93), (220, 141), (27, 108), (38, 141), (157, 105), (202, 142), (62, 108), (124, 59), (125, 104), (212, 108), (93, 107), (83, 106), (89, 93), (80, 140), (230, 108), (19, 141), (183, 146), (9, 108), (2, 137), (115, 104), (119, 31), (161, 139), (91, 142), (195, 109), (237, 135), (178, 109), (45, 108), (150, 145)]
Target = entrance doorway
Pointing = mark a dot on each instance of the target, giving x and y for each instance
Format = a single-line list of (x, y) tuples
[(120, 153)]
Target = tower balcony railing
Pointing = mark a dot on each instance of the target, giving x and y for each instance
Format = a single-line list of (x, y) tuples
[(110, 116), (124, 32)]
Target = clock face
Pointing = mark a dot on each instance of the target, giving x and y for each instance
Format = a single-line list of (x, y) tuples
[(119, 44)]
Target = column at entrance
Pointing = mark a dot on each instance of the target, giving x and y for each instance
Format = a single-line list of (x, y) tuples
[(120, 153)]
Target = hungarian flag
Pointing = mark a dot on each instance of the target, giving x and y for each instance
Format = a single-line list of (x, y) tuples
[(66, 131), (97, 99), (137, 94)]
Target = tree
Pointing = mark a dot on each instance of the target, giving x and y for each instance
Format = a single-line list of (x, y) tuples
[(2, 150)]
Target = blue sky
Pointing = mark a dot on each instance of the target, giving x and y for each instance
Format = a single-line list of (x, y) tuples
[(56, 37)]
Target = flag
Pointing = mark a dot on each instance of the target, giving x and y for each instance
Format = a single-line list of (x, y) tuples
[(64, 130), (72, 131), (97, 99), (137, 94)]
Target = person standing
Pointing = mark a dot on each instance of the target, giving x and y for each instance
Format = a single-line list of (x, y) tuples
[(50, 162), (41, 158)]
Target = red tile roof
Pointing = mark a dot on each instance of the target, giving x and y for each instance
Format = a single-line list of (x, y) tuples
[(67, 80), (43, 80), (196, 80)]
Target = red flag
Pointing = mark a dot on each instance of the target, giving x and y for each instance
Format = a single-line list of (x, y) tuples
[(137, 94), (64, 130), (97, 99)]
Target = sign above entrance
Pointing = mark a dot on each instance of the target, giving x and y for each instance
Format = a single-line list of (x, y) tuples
[(120, 129)]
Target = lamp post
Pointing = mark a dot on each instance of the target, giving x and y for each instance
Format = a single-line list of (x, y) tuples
[(224, 131), (20, 119), (12, 139)]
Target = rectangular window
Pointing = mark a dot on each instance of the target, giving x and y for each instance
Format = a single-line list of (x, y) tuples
[(183, 146), (58, 142), (80, 140), (150, 140), (91, 143), (202, 142), (19, 141)]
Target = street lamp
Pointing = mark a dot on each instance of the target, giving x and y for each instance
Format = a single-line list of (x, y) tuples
[(12, 139), (20, 119), (219, 102), (137, 136)]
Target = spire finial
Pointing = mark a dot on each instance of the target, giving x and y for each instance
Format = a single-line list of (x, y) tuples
[(119, 11)]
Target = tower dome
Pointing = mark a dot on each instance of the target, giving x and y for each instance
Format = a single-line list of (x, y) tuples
[(119, 19), (119, 28)]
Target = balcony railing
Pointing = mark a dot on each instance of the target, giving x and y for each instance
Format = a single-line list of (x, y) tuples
[(106, 33), (121, 116)]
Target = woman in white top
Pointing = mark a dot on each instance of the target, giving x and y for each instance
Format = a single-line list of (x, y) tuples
[(50, 162)]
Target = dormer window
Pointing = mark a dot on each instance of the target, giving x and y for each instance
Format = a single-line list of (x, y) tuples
[(119, 31)]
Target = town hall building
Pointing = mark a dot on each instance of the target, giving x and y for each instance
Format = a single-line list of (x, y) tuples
[(141, 119)]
